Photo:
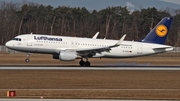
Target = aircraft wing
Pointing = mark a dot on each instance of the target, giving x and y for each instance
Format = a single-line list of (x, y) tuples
[(92, 51)]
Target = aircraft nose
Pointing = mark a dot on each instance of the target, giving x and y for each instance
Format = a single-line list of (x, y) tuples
[(8, 44)]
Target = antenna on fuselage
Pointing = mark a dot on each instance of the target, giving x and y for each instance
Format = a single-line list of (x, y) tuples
[(31, 33)]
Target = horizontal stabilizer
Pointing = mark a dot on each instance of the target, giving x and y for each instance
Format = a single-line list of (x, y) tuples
[(168, 48)]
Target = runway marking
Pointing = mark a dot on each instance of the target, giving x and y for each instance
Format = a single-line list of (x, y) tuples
[(101, 89), (90, 68), (71, 100)]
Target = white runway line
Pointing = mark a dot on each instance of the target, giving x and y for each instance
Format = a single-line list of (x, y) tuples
[(72, 100), (98, 89), (90, 68)]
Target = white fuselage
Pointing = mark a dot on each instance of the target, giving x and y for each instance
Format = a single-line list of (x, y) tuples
[(54, 44)]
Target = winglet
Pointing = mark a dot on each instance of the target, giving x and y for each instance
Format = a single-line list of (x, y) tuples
[(95, 36), (119, 42)]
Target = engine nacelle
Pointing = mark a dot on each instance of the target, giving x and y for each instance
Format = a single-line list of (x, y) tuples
[(55, 56), (67, 56)]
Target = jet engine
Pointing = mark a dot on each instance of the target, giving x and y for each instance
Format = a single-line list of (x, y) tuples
[(65, 56)]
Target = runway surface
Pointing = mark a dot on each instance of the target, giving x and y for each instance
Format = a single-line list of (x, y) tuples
[(55, 100), (69, 100), (125, 82), (90, 68)]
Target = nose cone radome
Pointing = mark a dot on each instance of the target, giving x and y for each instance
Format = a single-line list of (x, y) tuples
[(8, 44)]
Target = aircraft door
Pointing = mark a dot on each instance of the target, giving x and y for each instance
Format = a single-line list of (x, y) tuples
[(29, 41), (139, 49), (19, 42)]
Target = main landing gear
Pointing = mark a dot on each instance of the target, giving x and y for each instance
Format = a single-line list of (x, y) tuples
[(87, 63), (27, 59)]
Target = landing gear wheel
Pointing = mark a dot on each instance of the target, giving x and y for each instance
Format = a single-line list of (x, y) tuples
[(27, 60), (82, 63), (87, 63)]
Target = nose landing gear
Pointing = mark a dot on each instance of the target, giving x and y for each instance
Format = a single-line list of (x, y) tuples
[(27, 59)]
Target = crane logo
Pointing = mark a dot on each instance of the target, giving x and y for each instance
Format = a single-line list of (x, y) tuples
[(161, 30)]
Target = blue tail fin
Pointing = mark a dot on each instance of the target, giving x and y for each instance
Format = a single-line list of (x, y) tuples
[(159, 33)]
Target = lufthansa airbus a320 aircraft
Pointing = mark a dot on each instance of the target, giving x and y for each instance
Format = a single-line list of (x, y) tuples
[(70, 48)]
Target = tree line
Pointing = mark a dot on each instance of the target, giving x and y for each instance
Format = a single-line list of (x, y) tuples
[(111, 22)]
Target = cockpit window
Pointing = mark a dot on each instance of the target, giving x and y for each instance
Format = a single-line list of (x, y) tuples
[(17, 39)]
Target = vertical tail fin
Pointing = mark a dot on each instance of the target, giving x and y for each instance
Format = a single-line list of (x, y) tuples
[(159, 33)]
